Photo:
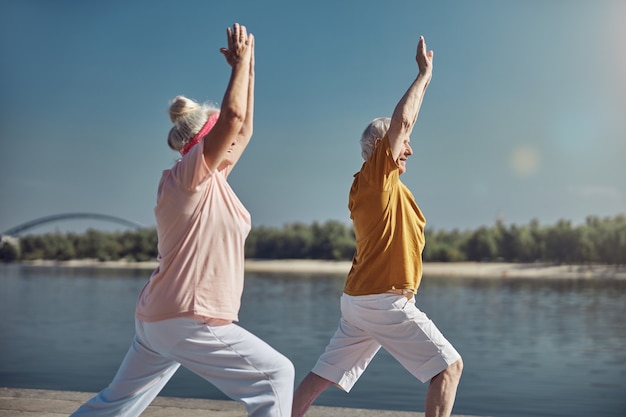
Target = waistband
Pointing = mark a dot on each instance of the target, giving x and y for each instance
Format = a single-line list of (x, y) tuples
[(406, 292)]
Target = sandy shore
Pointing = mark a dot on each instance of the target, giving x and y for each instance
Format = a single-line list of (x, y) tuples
[(468, 269)]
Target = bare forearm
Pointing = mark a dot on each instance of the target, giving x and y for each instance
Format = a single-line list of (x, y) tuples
[(406, 111), (248, 125), (235, 102), (240, 56), (219, 143)]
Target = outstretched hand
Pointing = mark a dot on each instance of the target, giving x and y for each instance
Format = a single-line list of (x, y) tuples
[(424, 59), (240, 44)]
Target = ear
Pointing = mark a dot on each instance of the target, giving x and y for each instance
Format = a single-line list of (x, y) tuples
[(377, 141)]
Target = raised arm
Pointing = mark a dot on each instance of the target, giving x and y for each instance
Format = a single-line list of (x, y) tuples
[(248, 125), (406, 111), (224, 137)]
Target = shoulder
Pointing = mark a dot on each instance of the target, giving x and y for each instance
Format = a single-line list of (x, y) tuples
[(191, 170), (380, 166)]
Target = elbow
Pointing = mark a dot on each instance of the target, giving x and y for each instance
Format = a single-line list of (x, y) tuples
[(246, 132), (233, 116)]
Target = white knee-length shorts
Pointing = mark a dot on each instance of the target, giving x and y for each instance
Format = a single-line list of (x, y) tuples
[(241, 365), (386, 320)]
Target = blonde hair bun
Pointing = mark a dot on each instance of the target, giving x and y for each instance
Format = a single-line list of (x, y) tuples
[(182, 107), (188, 117)]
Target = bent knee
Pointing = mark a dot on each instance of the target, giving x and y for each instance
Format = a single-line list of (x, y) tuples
[(455, 369), (285, 369)]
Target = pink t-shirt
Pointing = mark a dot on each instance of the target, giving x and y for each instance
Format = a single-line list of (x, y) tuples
[(202, 227)]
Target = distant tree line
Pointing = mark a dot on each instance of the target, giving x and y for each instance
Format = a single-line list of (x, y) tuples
[(135, 245), (598, 240)]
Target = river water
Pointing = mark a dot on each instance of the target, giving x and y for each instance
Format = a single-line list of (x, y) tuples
[(531, 347)]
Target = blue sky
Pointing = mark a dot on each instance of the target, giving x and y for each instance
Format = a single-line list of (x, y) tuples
[(524, 118)]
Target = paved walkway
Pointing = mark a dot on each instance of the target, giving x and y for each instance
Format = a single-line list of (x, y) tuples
[(17, 402)]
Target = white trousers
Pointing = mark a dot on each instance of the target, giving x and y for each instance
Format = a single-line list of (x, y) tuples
[(241, 365)]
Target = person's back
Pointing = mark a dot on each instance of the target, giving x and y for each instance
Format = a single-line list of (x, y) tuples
[(187, 311), (202, 227)]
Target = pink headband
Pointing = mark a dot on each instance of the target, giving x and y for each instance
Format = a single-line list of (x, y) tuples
[(201, 134)]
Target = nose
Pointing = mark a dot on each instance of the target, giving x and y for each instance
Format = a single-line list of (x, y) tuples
[(409, 150)]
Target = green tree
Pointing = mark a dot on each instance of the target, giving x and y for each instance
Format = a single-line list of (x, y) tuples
[(481, 245), (526, 245), (138, 245), (262, 243), (332, 240), (564, 243), (32, 247), (59, 247), (443, 246), (99, 245), (537, 251), (295, 241), (506, 242), (608, 239), (516, 244), (9, 251)]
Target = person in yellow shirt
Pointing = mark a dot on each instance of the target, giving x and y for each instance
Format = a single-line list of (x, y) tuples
[(378, 304)]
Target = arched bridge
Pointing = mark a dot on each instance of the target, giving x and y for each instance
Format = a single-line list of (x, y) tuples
[(14, 231)]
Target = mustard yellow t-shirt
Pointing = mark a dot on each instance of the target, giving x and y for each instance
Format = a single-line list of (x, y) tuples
[(389, 228)]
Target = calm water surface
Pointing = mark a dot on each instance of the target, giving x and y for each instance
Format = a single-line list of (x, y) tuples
[(530, 347)]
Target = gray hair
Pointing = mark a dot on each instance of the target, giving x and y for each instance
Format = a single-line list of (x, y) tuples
[(188, 117), (377, 129)]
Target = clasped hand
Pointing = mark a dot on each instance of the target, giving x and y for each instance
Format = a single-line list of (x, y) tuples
[(240, 45)]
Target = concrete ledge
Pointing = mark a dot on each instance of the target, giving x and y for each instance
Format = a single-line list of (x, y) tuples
[(19, 402)]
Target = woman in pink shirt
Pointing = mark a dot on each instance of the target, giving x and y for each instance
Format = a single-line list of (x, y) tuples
[(186, 313)]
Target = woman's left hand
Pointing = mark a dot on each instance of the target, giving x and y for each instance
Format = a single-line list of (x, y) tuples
[(239, 44)]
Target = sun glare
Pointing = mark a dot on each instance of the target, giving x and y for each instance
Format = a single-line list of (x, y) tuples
[(525, 161)]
